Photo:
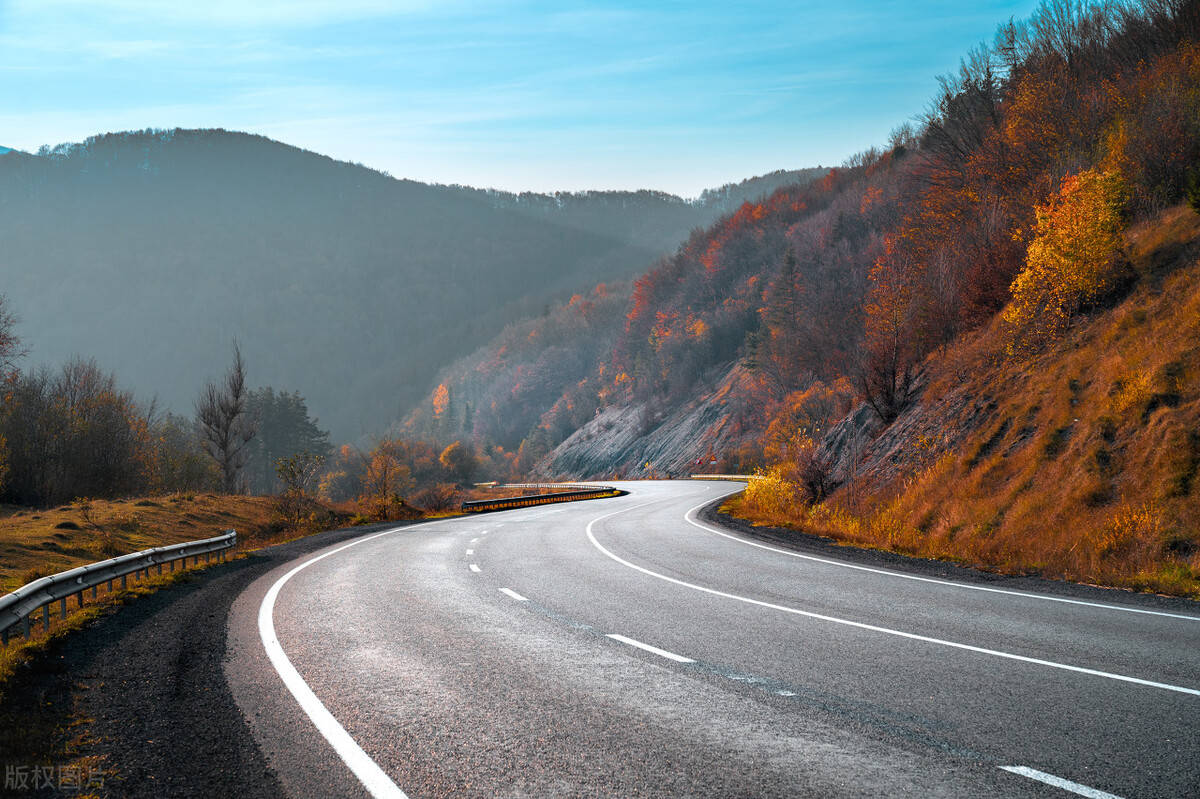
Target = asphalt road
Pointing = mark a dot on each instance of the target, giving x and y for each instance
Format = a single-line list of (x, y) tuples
[(620, 647)]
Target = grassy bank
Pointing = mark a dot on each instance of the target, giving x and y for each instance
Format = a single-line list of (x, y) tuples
[(1085, 467)]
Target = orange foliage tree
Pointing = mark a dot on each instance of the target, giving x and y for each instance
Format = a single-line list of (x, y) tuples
[(1074, 259)]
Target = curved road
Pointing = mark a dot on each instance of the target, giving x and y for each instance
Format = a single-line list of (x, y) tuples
[(624, 648)]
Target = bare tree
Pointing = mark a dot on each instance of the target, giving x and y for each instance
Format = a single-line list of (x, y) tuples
[(10, 345), (226, 426)]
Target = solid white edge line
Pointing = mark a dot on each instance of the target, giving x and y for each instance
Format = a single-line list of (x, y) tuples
[(689, 517), (1059, 782), (660, 652), (475, 568), (874, 628), (373, 778), (470, 552), (511, 593)]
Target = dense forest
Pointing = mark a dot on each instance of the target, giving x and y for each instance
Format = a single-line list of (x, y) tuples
[(153, 251)]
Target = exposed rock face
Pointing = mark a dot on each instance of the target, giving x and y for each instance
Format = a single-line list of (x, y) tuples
[(622, 440), (860, 448)]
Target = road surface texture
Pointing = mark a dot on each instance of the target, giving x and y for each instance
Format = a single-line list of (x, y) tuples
[(626, 647)]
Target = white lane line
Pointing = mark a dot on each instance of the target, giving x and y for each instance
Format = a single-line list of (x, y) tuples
[(1059, 782), (874, 628), (689, 517), (660, 652), (474, 540), (470, 552), (373, 778), (513, 594), (474, 568), (377, 783)]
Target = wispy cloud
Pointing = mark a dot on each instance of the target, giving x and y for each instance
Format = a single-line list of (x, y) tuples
[(511, 93), (228, 12)]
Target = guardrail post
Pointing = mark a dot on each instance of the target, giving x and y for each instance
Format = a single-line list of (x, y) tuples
[(160, 569), (123, 583), (62, 608), (46, 616), (25, 626), (93, 592), (79, 598), (4, 636)]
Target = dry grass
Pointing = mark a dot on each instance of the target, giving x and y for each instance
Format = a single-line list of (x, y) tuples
[(1089, 468), (34, 543)]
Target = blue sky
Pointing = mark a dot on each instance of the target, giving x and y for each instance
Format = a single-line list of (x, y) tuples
[(515, 95)]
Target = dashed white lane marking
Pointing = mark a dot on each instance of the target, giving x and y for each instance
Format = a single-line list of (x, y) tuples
[(1059, 782), (474, 540), (874, 628), (513, 594), (689, 517), (474, 568), (470, 552), (373, 778), (660, 652)]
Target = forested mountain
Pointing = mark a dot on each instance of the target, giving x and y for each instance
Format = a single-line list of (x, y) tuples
[(914, 319), (652, 219), (153, 251)]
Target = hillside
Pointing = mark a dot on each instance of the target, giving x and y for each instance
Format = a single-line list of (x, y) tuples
[(153, 251), (1079, 463), (651, 219), (965, 299)]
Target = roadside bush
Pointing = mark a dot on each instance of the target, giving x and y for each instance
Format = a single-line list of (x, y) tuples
[(773, 496)]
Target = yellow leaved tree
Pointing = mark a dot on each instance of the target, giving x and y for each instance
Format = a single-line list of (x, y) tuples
[(1074, 259)]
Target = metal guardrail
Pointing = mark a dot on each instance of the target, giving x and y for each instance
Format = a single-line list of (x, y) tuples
[(17, 607), (741, 478), (506, 503), (561, 486)]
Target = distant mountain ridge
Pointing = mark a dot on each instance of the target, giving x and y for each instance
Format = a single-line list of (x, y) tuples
[(152, 251)]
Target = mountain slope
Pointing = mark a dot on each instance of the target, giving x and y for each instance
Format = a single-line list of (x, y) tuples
[(1080, 462), (153, 251)]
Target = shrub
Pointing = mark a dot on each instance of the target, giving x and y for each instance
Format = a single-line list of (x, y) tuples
[(1074, 259), (772, 495)]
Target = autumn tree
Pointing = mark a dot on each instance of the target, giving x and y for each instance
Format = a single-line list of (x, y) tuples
[(887, 362), (1074, 259), (227, 428), (72, 433), (387, 477), (297, 473), (460, 462), (178, 461)]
